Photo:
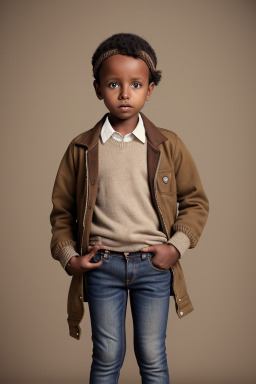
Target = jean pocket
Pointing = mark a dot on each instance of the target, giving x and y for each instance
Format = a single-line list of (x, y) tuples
[(153, 266)]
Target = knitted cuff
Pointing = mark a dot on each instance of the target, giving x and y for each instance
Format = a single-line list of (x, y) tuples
[(180, 241), (65, 255)]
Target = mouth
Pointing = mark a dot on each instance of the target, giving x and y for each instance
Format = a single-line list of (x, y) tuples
[(125, 107)]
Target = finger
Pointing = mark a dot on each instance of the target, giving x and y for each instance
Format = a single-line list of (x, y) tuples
[(93, 251), (98, 264), (94, 265), (92, 247), (151, 248), (100, 246)]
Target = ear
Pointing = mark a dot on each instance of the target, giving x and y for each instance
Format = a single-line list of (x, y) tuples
[(97, 90), (151, 87)]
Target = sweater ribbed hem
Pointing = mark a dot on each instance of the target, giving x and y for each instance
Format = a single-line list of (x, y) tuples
[(180, 241)]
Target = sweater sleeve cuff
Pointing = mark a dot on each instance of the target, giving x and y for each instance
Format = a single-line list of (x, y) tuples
[(180, 241), (65, 255)]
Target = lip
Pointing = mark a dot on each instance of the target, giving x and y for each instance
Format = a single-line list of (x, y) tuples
[(125, 107)]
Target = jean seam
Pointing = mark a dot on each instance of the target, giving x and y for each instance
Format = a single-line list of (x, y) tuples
[(123, 343)]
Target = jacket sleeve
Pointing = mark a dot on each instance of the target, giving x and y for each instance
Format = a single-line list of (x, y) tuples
[(63, 214), (193, 206)]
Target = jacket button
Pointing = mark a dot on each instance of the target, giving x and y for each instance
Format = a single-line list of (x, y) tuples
[(165, 179), (181, 313), (179, 299)]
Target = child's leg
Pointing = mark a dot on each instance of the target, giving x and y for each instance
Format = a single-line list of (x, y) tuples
[(107, 300), (107, 288), (149, 297)]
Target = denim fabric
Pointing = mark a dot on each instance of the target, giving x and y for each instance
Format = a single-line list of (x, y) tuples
[(107, 288)]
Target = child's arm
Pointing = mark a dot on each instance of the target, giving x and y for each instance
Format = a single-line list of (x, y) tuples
[(193, 202), (192, 212), (63, 219), (63, 215)]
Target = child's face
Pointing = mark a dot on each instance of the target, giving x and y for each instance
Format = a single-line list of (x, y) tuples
[(124, 85)]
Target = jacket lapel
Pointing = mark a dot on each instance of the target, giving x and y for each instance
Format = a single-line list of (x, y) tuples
[(154, 139), (90, 141)]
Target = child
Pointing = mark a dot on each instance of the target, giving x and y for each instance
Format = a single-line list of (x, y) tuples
[(115, 225)]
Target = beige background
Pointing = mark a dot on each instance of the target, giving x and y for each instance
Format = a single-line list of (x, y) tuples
[(206, 50)]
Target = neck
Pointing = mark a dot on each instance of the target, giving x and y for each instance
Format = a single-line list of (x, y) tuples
[(124, 126)]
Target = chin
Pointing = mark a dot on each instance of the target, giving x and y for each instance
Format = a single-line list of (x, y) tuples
[(122, 115)]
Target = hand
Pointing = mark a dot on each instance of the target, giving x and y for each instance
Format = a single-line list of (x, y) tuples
[(81, 264), (165, 255)]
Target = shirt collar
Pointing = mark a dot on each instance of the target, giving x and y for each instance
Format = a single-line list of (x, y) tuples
[(107, 131)]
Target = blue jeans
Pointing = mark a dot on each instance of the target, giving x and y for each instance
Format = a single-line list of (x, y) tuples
[(107, 290)]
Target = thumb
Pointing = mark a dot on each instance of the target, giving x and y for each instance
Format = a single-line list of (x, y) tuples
[(151, 248), (92, 252)]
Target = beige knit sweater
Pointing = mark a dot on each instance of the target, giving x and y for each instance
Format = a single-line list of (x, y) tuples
[(124, 218)]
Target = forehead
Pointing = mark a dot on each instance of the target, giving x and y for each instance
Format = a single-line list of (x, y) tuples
[(123, 66)]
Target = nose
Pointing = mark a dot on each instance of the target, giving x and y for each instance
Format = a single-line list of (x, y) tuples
[(124, 93)]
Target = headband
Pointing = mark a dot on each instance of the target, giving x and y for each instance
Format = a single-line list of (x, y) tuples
[(141, 54)]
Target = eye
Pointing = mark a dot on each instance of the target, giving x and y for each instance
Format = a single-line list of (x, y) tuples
[(136, 85), (113, 85)]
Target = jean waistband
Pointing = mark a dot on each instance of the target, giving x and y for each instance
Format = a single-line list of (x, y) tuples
[(126, 254)]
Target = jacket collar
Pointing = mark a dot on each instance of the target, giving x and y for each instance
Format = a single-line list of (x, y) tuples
[(91, 137)]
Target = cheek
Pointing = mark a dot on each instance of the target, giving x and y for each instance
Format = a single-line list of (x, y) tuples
[(142, 96), (108, 96)]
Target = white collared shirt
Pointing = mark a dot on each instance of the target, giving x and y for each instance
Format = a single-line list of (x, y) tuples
[(107, 131)]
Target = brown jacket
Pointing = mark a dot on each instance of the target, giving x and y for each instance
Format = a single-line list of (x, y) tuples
[(74, 196)]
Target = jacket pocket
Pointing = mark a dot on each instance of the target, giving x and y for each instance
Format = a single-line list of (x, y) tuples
[(166, 183)]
